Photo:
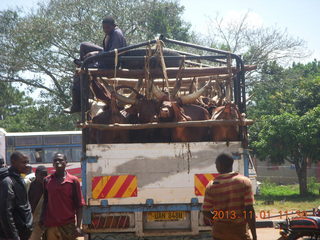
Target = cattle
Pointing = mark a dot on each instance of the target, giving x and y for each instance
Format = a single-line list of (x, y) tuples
[(182, 110), (110, 115), (173, 111), (226, 133)]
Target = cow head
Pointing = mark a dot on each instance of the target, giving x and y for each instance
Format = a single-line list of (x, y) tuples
[(171, 111), (187, 99), (147, 110)]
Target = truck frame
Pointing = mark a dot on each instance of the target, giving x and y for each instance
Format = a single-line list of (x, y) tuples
[(155, 190)]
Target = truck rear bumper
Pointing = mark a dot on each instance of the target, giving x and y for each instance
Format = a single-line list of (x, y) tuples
[(135, 219)]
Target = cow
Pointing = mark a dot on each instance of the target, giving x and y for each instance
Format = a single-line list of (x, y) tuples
[(229, 111), (110, 115), (181, 110)]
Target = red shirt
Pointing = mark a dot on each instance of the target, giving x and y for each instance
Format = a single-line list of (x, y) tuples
[(62, 199)]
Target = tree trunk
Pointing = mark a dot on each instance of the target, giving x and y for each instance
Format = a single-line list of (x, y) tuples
[(301, 170)]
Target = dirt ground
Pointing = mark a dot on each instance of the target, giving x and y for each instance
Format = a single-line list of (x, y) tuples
[(263, 234)]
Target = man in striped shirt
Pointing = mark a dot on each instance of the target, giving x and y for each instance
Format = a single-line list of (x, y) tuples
[(228, 203)]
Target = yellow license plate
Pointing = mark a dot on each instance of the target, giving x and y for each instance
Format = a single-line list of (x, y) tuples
[(166, 216)]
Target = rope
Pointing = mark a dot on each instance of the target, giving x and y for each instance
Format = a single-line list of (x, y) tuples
[(147, 71)]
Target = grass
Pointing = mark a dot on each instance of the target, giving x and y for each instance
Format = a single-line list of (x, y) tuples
[(277, 198)]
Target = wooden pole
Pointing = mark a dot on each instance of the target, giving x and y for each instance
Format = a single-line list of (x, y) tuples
[(204, 123), (171, 72)]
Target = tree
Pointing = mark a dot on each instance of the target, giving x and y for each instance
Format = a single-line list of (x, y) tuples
[(20, 113), (258, 45), (38, 47), (292, 138), (286, 105)]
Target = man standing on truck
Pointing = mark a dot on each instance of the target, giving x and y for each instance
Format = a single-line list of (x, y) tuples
[(113, 39), (62, 203), (15, 211), (228, 203)]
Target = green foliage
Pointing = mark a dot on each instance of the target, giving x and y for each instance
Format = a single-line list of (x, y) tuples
[(38, 47), (19, 113), (286, 105), (270, 189), (313, 185)]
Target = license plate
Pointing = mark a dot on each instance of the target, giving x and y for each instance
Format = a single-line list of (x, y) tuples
[(166, 216)]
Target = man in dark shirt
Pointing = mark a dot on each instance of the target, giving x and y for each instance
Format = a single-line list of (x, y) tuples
[(113, 39), (36, 200), (62, 205), (15, 210)]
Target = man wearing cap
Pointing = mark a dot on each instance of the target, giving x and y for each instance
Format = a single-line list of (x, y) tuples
[(113, 39), (62, 204)]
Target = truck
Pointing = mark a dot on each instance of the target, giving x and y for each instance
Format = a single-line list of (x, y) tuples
[(156, 189)]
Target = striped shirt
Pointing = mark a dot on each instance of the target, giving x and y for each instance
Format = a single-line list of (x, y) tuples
[(227, 196)]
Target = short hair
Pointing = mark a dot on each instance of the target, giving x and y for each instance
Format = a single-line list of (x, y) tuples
[(109, 20), (225, 160), (16, 156), (58, 154), (41, 169)]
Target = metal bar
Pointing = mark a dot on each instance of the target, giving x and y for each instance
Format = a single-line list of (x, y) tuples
[(84, 106), (287, 214), (204, 123), (135, 58), (112, 52), (192, 54), (198, 47)]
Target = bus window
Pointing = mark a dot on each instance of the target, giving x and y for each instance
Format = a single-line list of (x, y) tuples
[(76, 154), (38, 155), (49, 152)]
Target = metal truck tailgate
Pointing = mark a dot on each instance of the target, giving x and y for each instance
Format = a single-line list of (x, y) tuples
[(163, 172)]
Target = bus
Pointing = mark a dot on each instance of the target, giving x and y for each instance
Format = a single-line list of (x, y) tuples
[(41, 146)]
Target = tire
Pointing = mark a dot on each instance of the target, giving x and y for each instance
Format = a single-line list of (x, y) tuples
[(296, 236)]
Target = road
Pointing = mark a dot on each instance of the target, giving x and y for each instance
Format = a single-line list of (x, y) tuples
[(263, 234)]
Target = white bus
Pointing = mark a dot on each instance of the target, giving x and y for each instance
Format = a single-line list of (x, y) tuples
[(40, 147)]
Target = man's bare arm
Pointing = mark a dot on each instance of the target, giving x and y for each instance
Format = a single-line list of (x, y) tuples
[(251, 219)]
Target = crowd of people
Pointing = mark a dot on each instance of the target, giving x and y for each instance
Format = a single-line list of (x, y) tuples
[(39, 206)]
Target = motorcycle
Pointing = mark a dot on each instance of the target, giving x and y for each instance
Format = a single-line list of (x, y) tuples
[(300, 227)]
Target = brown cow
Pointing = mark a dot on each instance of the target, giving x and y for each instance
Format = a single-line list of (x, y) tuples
[(226, 133), (180, 111), (110, 115), (172, 111)]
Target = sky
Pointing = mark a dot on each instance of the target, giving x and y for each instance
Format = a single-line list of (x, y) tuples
[(299, 17)]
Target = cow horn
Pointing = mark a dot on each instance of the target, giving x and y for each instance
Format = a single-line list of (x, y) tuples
[(133, 95), (158, 93), (176, 87), (119, 97), (191, 98)]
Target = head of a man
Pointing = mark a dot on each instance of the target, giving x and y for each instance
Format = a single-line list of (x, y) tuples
[(41, 173), (108, 25), (224, 163), (59, 162), (19, 162)]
